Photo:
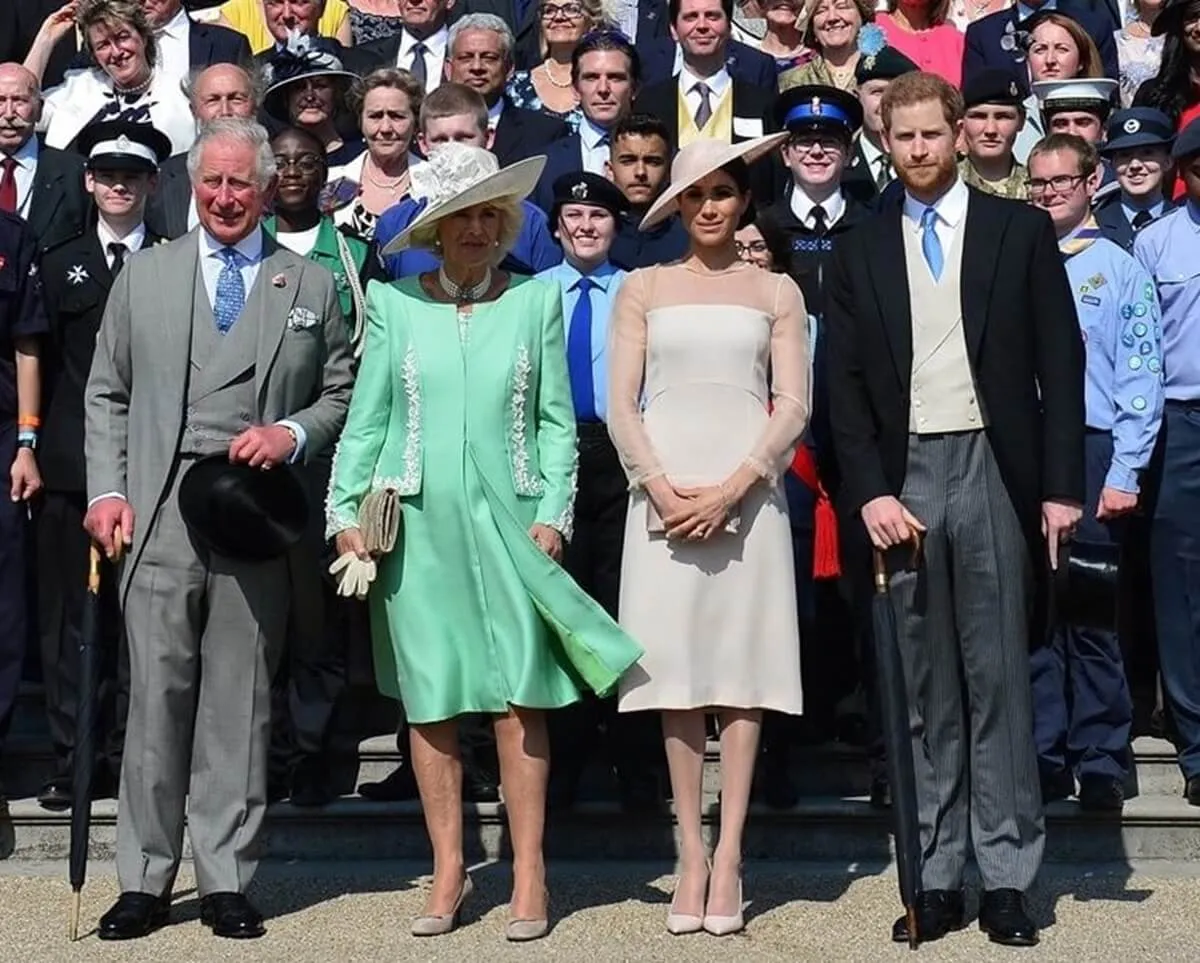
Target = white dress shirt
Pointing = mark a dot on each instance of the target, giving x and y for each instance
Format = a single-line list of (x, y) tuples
[(951, 210), (802, 205), (435, 55), (718, 86), (25, 173), (876, 159), (133, 241), (594, 144), (250, 248), (174, 47), (494, 113)]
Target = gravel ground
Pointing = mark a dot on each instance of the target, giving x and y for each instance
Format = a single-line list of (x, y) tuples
[(608, 912)]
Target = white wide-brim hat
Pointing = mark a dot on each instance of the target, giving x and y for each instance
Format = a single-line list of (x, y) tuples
[(459, 176), (699, 159)]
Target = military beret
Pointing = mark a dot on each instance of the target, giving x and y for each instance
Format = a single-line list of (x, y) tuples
[(878, 61), (582, 187), (994, 87)]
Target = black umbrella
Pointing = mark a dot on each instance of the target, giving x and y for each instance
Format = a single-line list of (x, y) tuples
[(85, 728), (897, 735)]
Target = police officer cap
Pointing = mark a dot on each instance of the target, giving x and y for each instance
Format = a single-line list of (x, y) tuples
[(818, 107), (120, 145), (1188, 141), (583, 187), (1138, 127), (994, 87), (878, 61)]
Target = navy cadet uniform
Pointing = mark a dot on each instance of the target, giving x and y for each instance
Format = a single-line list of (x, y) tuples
[(78, 276), (22, 316), (1170, 251), (1082, 711), (1092, 95), (593, 556), (1120, 216), (807, 228)]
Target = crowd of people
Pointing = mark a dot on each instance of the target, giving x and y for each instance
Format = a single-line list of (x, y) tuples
[(606, 344)]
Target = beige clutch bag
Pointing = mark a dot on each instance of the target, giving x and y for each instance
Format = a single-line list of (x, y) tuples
[(379, 517)]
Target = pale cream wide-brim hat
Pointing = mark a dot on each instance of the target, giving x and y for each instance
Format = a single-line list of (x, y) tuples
[(699, 159), (459, 176)]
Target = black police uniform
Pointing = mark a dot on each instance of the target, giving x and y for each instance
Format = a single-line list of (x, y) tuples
[(22, 315)]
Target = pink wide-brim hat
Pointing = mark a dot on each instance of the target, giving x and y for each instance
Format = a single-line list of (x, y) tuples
[(699, 159)]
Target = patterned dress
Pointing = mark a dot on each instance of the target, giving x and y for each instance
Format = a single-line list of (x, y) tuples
[(521, 93), (468, 417), (365, 27)]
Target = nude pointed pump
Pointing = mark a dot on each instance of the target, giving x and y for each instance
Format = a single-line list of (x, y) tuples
[(726, 925), (441, 925)]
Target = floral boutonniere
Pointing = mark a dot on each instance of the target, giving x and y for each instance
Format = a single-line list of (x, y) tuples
[(279, 281), (1015, 41)]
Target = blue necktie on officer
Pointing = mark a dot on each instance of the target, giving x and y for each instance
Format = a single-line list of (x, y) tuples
[(579, 353)]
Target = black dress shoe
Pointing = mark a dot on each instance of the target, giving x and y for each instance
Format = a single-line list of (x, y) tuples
[(1002, 916), (134, 915), (1191, 792), (398, 786), (881, 793), (939, 911), (310, 784), (1101, 793), (56, 795), (1056, 786), (230, 915)]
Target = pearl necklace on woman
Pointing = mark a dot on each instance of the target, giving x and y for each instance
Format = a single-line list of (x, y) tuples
[(464, 294), (561, 85)]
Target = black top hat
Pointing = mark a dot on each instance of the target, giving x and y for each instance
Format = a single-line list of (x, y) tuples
[(994, 87), (1085, 585), (583, 187), (241, 512), (818, 107), (121, 145)]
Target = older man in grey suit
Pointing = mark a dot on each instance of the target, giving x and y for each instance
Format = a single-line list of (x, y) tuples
[(219, 342)]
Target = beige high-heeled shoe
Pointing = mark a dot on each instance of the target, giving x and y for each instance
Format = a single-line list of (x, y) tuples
[(524, 931), (680, 924), (726, 925), (441, 925)]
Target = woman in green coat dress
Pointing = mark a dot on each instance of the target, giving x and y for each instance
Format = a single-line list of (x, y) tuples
[(463, 409)]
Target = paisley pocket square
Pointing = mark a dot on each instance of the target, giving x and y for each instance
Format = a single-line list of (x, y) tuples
[(300, 318)]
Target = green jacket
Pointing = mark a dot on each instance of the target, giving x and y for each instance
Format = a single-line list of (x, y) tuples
[(325, 253)]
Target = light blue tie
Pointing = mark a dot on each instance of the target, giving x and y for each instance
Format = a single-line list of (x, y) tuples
[(231, 290), (931, 247)]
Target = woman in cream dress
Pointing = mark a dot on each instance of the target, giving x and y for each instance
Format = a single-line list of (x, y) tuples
[(707, 581)]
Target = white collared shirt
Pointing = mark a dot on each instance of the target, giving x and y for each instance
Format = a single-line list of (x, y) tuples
[(803, 206), (718, 85), (875, 158), (951, 210), (133, 241), (494, 113), (25, 173), (251, 249), (174, 48), (435, 55), (594, 146)]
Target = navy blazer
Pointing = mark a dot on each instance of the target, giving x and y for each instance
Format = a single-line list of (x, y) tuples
[(743, 63), (1110, 216), (985, 46), (563, 156), (522, 133)]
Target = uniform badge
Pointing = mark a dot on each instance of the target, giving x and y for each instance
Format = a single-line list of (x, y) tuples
[(1013, 90), (579, 191), (816, 105), (1091, 299), (1097, 280), (77, 275), (1132, 126)]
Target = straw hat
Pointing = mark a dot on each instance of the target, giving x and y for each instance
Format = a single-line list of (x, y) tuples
[(458, 176), (699, 159)]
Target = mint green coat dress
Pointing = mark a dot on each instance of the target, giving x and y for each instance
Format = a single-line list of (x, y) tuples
[(470, 420)]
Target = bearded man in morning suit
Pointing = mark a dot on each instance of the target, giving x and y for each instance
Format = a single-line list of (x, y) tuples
[(956, 381), (219, 343)]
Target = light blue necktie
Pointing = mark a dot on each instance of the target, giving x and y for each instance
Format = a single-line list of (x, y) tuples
[(931, 247), (579, 353), (231, 290)]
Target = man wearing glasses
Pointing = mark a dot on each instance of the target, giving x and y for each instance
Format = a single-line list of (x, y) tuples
[(1082, 711)]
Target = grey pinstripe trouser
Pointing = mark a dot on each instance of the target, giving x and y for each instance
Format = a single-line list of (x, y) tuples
[(963, 624)]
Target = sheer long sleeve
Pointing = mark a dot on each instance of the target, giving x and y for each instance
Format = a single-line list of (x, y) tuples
[(626, 369), (772, 452)]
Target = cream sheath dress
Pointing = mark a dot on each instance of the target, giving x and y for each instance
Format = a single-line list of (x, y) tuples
[(707, 371)]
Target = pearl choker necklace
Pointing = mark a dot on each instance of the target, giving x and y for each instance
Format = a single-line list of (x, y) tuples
[(464, 295)]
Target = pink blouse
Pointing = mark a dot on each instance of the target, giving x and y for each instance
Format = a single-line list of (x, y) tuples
[(938, 50)]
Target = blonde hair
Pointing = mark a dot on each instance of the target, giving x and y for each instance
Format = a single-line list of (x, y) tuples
[(866, 13), (597, 15), (512, 216), (116, 13)]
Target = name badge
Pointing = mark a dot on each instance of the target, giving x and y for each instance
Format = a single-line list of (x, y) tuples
[(748, 126), (1091, 299)]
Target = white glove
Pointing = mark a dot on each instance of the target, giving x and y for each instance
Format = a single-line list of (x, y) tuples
[(354, 576)]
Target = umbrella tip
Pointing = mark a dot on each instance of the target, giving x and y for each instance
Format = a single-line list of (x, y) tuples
[(913, 935), (73, 928)]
